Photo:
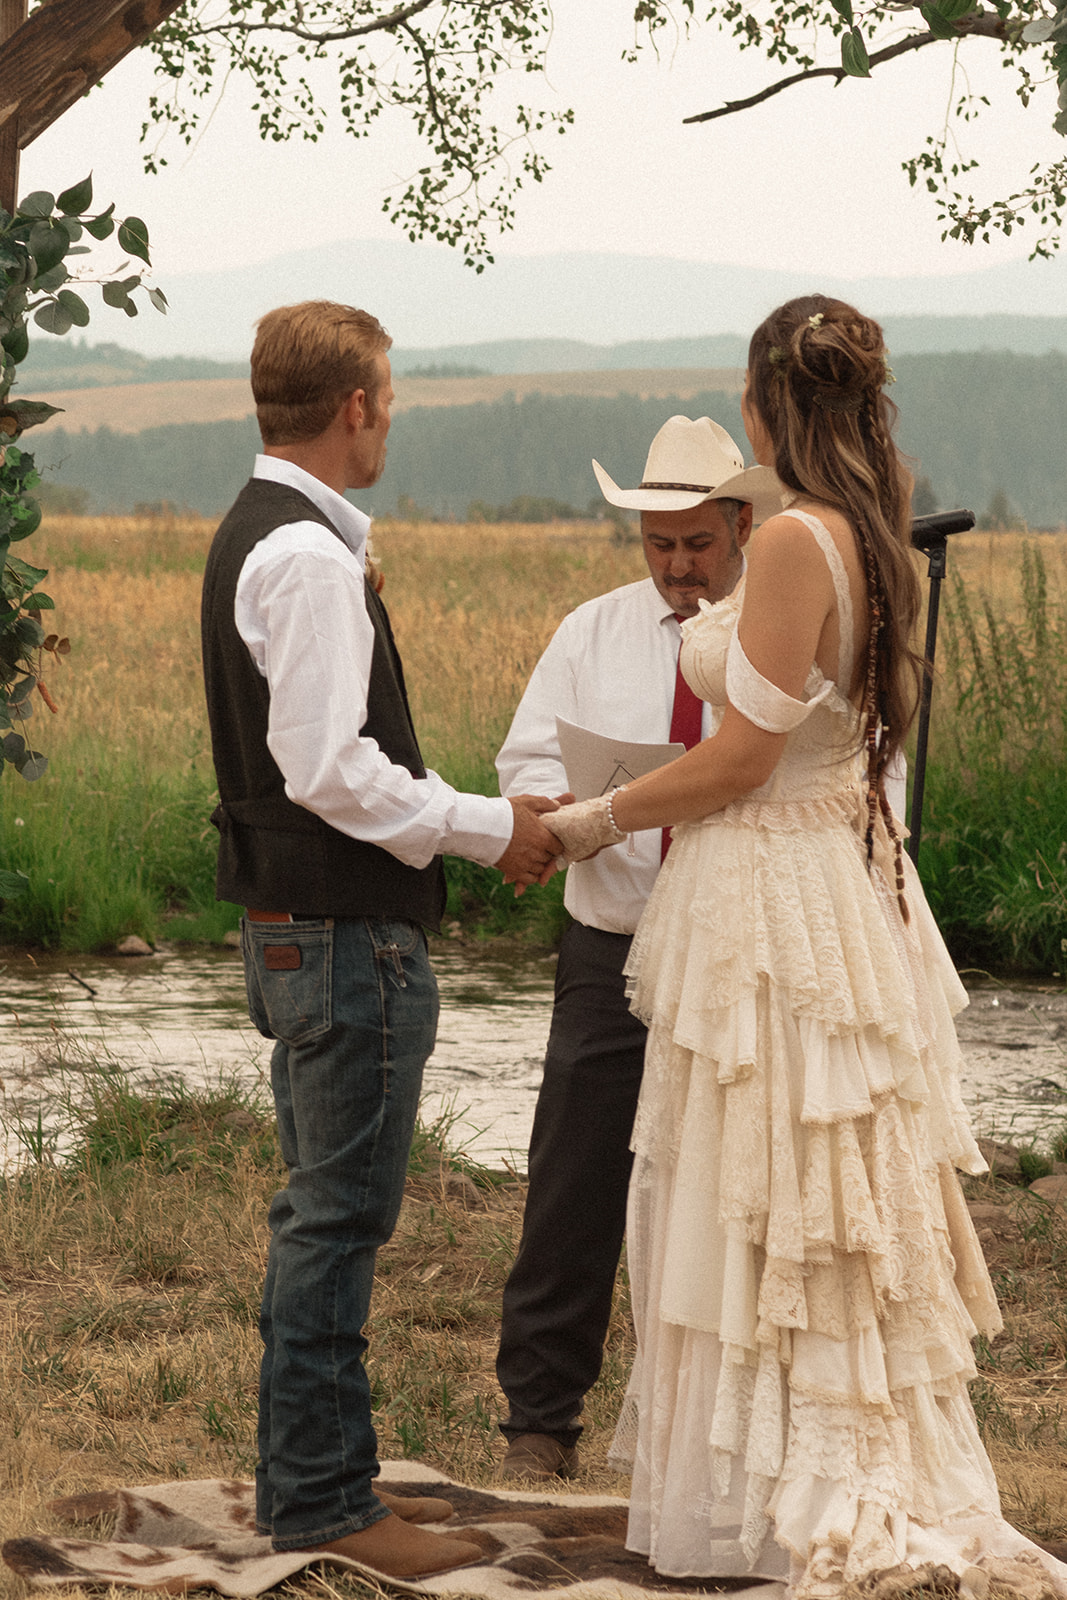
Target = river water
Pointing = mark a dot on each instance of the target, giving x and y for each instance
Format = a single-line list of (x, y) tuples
[(175, 1014)]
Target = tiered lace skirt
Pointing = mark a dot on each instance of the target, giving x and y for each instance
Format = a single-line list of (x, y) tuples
[(806, 1276)]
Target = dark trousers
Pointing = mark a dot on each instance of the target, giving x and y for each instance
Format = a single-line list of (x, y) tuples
[(557, 1300)]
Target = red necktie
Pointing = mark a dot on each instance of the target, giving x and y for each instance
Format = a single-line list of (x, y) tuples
[(686, 719)]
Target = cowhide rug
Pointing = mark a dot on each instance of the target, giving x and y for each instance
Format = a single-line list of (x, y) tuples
[(178, 1536)]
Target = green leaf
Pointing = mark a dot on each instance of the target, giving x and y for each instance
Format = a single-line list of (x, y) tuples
[(48, 244), (27, 413), (17, 342), (14, 747), (18, 695), (75, 306), (114, 294), (78, 198), (938, 26), (103, 226), (53, 318), (28, 522), (854, 54), (50, 281), (12, 884), (38, 204), (29, 575), (953, 10), (843, 9), (33, 767), (133, 236), (158, 299), (39, 602)]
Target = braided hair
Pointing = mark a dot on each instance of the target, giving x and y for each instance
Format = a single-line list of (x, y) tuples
[(817, 370)]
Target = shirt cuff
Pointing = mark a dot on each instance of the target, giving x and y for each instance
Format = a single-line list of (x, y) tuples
[(482, 830)]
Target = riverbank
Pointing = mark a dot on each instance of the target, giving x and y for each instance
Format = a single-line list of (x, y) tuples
[(131, 1275), (116, 838)]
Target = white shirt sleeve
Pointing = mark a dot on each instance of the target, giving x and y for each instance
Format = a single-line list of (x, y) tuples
[(300, 609)]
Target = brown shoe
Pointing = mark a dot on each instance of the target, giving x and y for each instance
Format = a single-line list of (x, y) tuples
[(398, 1549), (538, 1455), (416, 1508)]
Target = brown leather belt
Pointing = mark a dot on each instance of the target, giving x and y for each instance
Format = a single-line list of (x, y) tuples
[(269, 916)]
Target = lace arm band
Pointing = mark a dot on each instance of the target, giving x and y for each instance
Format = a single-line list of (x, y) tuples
[(761, 701)]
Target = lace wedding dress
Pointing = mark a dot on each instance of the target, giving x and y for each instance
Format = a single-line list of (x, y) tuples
[(806, 1277)]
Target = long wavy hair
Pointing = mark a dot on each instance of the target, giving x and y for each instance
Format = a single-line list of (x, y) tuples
[(817, 370)]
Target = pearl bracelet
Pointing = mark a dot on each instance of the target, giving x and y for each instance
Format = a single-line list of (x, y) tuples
[(620, 835)]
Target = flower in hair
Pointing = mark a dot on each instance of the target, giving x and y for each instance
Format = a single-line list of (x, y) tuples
[(776, 356), (816, 321), (890, 375)]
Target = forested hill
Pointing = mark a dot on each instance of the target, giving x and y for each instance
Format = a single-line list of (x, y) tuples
[(976, 424)]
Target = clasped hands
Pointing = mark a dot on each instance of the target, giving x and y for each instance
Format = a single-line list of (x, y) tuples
[(535, 850)]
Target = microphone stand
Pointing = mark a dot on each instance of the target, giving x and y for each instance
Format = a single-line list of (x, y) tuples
[(930, 535)]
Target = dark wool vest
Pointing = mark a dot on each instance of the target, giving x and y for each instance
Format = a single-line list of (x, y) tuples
[(275, 855)]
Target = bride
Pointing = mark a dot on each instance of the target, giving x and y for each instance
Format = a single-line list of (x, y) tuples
[(806, 1277)]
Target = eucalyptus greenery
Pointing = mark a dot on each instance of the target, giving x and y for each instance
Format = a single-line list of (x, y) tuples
[(36, 243)]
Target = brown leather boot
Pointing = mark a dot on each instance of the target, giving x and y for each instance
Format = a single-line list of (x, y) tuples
[(415, 1508), (538, 1455), (401, 1550)]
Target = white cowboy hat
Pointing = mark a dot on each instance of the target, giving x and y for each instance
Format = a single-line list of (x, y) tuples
[(692, 461)]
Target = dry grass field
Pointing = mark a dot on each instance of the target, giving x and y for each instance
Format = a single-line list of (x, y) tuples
[(472, 606), (129, 408)]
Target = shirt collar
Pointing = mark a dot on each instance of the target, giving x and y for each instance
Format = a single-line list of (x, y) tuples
[(351, 523)]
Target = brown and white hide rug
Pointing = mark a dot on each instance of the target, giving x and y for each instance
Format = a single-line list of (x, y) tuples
[(201, 1535)]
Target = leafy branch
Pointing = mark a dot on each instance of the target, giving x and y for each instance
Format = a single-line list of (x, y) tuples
[(35, 281), (434, 61), (1031, 35)]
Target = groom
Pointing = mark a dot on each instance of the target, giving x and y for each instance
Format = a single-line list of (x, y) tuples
[(331, 833), (611, 667)]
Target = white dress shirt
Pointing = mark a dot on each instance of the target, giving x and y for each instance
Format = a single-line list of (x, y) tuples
[(300, 609), (611, 666)]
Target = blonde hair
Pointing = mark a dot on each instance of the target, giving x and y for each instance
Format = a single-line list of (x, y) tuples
[(306, 361), (817, 369)]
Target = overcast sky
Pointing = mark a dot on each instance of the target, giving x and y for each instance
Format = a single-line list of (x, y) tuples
[(811, 181)]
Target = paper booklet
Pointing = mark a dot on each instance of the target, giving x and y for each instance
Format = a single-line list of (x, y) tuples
[(596, 763)]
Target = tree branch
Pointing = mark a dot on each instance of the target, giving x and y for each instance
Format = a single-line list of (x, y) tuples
[(391, 20), (985, 25)]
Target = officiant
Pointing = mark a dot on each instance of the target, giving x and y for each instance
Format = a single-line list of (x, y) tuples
[(612, 667)]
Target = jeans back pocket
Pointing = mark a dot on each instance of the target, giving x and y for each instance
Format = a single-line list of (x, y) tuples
[(288, 978)]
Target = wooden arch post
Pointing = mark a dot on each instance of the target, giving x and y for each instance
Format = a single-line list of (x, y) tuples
[(48, 61)]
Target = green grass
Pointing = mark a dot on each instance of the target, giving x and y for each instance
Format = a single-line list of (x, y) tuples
[(994, 843), (111, 849)]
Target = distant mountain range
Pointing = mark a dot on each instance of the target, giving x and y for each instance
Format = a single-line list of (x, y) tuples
[(76, 364), (430, 302)]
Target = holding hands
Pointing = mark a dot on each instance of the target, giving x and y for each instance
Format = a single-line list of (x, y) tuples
[(532, 850), (586, 827)]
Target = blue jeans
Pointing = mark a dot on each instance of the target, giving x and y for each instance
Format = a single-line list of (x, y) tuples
[(353, 1006)]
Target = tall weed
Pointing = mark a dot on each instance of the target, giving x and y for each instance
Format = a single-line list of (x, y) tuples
[(995, 822)]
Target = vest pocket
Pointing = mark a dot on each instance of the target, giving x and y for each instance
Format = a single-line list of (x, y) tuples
[(288, 978)]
